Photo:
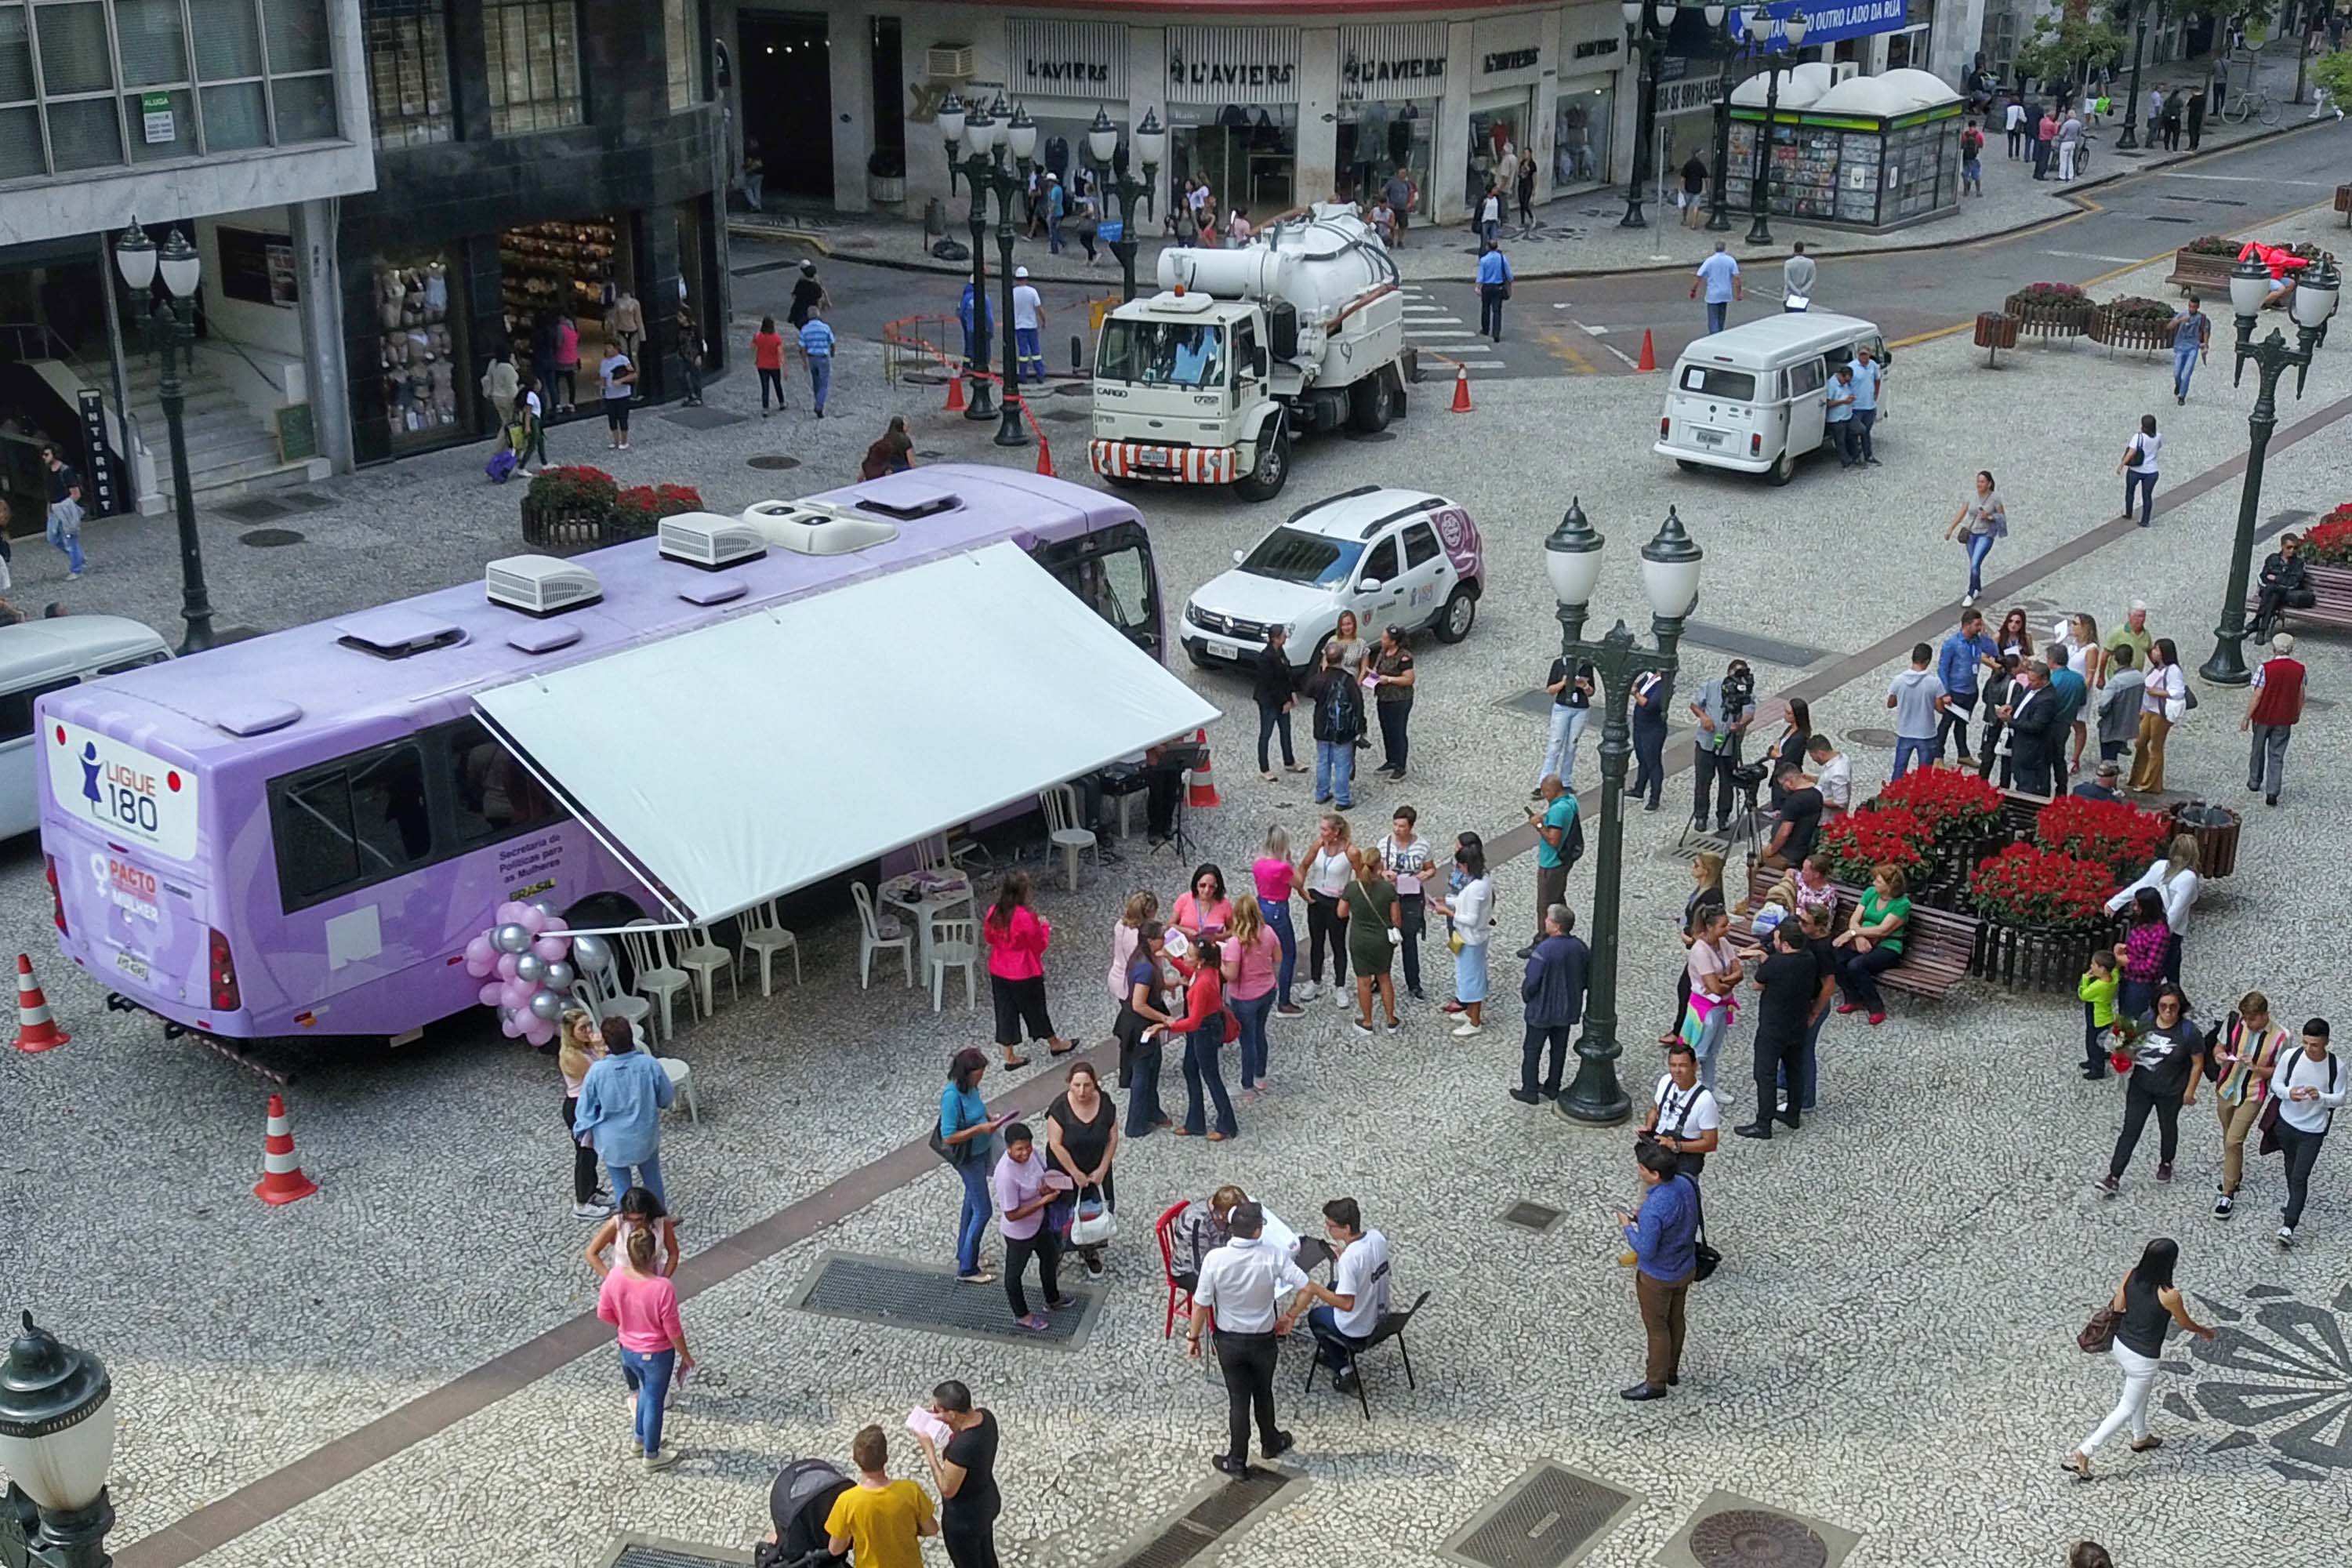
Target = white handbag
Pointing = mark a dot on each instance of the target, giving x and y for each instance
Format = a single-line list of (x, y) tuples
[(1094, 1224)]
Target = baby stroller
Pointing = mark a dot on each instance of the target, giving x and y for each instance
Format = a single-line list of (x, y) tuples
[(798, 1503)]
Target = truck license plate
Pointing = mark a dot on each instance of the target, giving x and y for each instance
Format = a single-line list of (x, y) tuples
[(133, 965), (1223, 650), (1710, 438)]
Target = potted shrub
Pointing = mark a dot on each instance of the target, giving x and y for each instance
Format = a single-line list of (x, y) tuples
[(2043, 912), (568, 507), (2134, 322), (2329, 540), (1860, 841), (2111, 833), (637, 511), (2051, 310)]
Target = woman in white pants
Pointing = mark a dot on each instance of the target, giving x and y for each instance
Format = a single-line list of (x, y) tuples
[(2146, 1305)]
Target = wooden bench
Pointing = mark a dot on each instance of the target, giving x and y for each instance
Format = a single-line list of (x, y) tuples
[(2331, 586), (1939, 949)]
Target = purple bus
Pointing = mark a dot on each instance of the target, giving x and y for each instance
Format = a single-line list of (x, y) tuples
[(299, 834)]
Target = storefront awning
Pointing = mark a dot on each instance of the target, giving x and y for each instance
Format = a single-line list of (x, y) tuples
[(735, 764)]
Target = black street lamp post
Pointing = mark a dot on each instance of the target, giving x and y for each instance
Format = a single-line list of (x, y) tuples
[(56, 1441), (1759, 34), (980, 129), (136, 257), (2129, 139), (2313, 304), (1722, 46), (1110, 159), (1646, 25), (1670, 570), (998, 162)]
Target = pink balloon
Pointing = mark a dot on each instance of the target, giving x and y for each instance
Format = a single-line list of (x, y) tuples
[(540, 1032), (511, 1030), (493, 994), (556, 925), (516, 993), (531, 920), (506, 966), (480, 956), (552, 948), (510, 913)]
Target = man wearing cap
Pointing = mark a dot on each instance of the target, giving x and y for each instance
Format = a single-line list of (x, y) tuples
[(1028, 316), (2105, 785), (2271, 714), (1243, 1283)]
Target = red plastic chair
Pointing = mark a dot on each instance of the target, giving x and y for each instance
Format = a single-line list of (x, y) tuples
[(1161, 1229)]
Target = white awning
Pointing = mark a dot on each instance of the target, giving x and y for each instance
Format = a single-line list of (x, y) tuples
[(735, 764)]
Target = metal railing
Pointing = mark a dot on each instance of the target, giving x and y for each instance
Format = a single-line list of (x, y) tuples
[(32, 341), (921, 345)]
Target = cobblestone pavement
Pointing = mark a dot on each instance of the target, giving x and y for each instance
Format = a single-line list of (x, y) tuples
[(1889, 1349)]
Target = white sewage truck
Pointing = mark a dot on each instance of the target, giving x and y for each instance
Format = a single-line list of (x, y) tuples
[(1206, 381)]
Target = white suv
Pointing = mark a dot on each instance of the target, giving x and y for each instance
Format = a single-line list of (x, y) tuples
[(1396, 557)]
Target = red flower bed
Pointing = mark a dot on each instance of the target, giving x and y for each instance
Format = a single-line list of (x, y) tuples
[(1951, 803), (644, 505), (2329, 540), (2110, 833), (1859, 841), (2023, 886)]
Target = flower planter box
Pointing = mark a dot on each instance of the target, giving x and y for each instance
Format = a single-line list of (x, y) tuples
[(562, 530), (2051, 315), (2344, 204), (2035, 959), (2194, 272), (2129, 333), (2217, 829)]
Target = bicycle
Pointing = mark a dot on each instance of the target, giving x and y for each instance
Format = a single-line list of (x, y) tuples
[(2257, 104)]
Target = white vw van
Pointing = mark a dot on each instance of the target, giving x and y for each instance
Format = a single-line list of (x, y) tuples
[(44, 655), (1749, 398)]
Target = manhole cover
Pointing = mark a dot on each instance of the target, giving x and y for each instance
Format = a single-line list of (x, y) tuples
[(704, 418), (1371, 435), (1867, 736), (910, 1296), (2319, 704), (253, 509), (923, 378), (930, 457), (270, 538), (1550, 1517), (1067, 416), (1534, 1217), (777, 461), (1074, 389), (1751, 1538)]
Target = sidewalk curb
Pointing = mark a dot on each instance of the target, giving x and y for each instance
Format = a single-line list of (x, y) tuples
[(1558, 274)]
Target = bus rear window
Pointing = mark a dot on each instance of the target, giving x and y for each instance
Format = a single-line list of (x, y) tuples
[(350, 822), (1730, 385)]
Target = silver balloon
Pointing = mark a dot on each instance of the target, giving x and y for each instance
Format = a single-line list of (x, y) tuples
[(531, 967), (546, 1007), (512, 938), (546, 907), (593, 952), (559, 976)]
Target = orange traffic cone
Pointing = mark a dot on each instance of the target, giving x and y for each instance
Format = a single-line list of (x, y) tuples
[(1461, 389), (283, 1180), (36, 1030), (1204, 788), (1044, 457), (955, 392), (1649, 360)]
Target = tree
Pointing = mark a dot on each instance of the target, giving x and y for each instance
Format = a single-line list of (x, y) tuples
[(2334, 72), (2059, 47)]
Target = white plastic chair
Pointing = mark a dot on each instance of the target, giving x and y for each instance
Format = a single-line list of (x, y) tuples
[(602, 985), (681, 1079), (658, 979), (1062, 830), (931, 853), (764, 935), (955, 944), (877, 932), (704, 957)]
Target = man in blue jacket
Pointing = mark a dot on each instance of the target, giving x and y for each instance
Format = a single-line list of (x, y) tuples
[(1960, 666), (1552, 989), (619, 1114), (1493, 288)]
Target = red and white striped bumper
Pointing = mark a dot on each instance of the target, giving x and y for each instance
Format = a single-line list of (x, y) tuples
[(1172, 465)]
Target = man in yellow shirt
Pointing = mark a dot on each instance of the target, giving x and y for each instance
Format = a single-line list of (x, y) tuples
[(878, 1520)]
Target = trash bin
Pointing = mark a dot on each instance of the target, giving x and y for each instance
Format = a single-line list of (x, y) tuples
[(2217, 829)]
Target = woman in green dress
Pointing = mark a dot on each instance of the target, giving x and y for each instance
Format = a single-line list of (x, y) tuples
[(1375, 922)]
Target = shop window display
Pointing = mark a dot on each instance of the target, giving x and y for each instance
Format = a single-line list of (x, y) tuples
[(579, 272), (420, 351), (1580, 128), (1382, 138)]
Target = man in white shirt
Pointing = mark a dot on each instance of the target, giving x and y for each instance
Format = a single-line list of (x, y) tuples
[(1350, 1314), (1028, 321), (2308, 1086), (1684, 1114), (1242, 1283), (1833, 776)]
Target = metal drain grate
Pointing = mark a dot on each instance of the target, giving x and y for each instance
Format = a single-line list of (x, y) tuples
[(1751, 1538), (1547, 1519), (921, 1296), (253, 509), (271, 538), (1529, 1216), (1223, 1510), (1748, 644), (704, 418), (302, 501), (778, 460), (654, 1551)]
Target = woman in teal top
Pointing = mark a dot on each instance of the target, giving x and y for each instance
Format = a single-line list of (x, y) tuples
[(1873, 941), (968, 1132)]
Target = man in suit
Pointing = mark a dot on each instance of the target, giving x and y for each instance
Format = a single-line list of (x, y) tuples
[(2035, 729)]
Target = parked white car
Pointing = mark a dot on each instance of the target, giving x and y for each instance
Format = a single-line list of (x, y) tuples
[(1395, 557), (44, 655)]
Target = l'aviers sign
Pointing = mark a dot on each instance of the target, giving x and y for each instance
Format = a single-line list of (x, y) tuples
[(1067, 59), (1229, 73), (1233, 65)]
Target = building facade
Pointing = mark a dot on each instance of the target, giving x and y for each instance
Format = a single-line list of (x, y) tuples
[(1273, 104)]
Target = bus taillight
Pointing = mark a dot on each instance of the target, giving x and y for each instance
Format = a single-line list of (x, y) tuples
[(224, 976), (57, 897)]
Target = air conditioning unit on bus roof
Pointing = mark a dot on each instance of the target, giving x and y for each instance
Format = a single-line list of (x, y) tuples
[(710, 542), (811, 528), (539, 585)]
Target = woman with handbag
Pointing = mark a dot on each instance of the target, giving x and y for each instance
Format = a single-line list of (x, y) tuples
[(1207, 1025), (1142, 1014), (2132, 1330), (1375, 918), (1470, 911), (1706, 891), (965, 1136), (1250, 956), (1715, 976), (1325, 871), (2240, 1055), (1082, 1135), (1027, 1189), (1665, 1237), (2163, 700)]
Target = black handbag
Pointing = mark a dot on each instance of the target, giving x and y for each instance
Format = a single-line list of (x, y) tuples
[(1708, 1258)]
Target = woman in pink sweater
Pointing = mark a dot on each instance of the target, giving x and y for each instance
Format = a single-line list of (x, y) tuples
[(639, 1300), (1016, 939)]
